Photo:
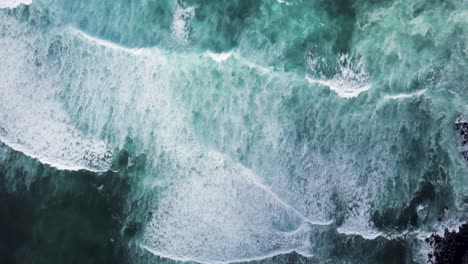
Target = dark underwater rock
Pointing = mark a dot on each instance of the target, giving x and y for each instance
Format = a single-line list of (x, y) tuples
[(452, 247), (52, 216), (461, 126)]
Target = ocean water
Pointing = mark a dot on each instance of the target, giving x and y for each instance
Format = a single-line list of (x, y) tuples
[(202, 131)]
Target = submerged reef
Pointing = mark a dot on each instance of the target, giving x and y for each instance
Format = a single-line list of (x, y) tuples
[(52, 216), (451, 247)]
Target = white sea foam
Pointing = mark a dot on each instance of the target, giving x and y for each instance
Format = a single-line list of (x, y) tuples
[(180, 23), (223, 213), (104, 43), (405, 95), (366, 233), (341, 87), (239, 260), (13, 3), (283, 2), (32, 120), (219, 57), (350, 80)]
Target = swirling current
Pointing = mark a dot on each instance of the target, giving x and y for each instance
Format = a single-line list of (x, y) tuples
[(203, 131)]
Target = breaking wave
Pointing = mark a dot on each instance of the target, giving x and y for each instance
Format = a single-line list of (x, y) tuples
[(245, 130)]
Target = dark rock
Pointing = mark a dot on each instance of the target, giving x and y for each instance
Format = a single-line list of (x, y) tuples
[(461, 126), (452, 247), (52, 216)]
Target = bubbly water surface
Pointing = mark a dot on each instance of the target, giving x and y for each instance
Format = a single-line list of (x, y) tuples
[(160, 131)]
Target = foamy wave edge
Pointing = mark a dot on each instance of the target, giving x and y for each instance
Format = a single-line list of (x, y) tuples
[(13, 3)]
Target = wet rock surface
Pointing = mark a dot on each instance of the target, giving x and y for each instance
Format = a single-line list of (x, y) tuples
[(461, 126), (452, 247)]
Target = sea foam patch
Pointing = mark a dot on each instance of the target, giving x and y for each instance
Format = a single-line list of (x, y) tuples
[(32, 120), (13, 3)]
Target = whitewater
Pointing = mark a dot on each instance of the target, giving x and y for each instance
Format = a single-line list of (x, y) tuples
[(231, 131)]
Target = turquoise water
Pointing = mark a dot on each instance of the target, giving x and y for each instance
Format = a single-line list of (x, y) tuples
[(230, 131)]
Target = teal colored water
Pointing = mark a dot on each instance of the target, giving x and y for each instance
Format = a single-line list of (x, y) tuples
[(231, 131)]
